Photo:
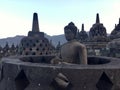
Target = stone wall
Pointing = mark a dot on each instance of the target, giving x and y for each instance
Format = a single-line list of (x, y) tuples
[(102, 73)]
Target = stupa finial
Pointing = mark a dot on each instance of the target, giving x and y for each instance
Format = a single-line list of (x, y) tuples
[(35, 25), (97, 18), (82, 27)]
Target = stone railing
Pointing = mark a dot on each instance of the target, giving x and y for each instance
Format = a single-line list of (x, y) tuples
[(33, 73)]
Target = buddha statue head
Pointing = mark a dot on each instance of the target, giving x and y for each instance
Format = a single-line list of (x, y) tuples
[(70, 31)]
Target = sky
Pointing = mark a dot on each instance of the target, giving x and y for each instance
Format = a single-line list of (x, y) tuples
[(16, 15)]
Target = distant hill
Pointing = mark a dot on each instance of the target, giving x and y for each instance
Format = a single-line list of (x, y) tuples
[(56, 38), (11, 40), (16, 40)]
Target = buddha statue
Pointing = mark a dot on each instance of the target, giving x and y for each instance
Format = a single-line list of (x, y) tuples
[(72, 51)]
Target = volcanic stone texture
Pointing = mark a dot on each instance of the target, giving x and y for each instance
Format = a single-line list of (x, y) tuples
[(19, 75)]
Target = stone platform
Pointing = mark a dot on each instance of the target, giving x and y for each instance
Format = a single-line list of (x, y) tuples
[(35, 73)]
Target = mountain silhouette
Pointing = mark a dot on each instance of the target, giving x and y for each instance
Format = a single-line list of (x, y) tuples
[(16, 40)]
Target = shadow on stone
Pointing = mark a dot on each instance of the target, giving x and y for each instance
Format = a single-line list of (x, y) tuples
[(93, 60), (21, 81), (37, 59)]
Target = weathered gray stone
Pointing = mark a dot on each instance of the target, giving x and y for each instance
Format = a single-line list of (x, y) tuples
[(39, 76)]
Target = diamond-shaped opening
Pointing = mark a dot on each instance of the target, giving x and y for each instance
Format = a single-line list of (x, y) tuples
[(1, 74), (33, 53), (104, 83), (60, 82), (21, 81)]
